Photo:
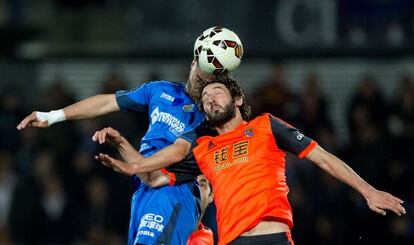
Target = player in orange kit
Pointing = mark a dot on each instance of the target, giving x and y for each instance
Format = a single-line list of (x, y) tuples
[(245, 164)]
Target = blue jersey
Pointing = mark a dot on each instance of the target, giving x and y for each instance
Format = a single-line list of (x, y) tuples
[(171, 112), (169, 214)]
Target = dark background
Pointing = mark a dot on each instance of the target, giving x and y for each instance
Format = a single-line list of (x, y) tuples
[(341, 71)]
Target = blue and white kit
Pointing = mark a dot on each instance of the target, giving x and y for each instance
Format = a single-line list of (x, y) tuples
[(169, 214)]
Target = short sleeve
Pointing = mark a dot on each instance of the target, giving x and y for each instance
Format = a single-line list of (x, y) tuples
[(186, 170), (201, 130), (291, 139), (136, 99)]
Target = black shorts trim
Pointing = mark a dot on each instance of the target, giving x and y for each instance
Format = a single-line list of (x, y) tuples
[(268, 239)]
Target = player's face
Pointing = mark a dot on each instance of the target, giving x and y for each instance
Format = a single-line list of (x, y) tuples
[(205, 192), (218, 104)]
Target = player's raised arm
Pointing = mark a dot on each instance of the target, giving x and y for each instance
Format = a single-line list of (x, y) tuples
[(135, 163), (164, 158), (114, 138), (169, 155), (129, 154), (377, 200), (88, 108), (154, 178)]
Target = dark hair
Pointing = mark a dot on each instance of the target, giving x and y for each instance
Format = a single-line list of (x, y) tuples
[(236, 91)]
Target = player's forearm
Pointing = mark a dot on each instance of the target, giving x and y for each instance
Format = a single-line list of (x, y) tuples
[(128, 152), (92, 107), (164, 158), (339, 169), (146, 168)]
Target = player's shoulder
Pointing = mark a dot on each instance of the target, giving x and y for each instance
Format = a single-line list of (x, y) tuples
[(166, 83), (262, 118), (169, 87)]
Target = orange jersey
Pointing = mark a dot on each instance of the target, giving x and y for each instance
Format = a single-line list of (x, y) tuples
[(246, 168)]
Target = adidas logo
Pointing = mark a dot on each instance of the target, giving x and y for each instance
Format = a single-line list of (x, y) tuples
[(210, 145)]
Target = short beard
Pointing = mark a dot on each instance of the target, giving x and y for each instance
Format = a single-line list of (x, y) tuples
[(219, 119)]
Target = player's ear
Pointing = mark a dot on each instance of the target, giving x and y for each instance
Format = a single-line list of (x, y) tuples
[(239, 101), (210, 198)]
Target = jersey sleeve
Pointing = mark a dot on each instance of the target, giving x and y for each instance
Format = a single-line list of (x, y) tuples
[(186, 170), (136, 99), (191, 168), (291, 139), (190, 136), (201, 130)]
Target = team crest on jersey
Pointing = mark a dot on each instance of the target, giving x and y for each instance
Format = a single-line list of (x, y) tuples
[(188, 108), (248, 132)]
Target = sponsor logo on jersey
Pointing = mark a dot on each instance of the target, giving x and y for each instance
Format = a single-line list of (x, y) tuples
[(151, 222), (176, 126), (188, 108), (227, 156), (167, 97)]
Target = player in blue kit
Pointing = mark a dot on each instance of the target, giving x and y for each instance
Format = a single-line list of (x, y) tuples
[(164, 215)]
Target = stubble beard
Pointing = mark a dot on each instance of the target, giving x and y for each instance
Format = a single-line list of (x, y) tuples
[(218, 119)]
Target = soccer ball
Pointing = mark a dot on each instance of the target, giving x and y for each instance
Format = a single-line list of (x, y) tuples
[(218, 50)]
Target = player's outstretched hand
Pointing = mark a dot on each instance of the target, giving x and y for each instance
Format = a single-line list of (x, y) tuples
[(153, 179), (32, 120), (107, 135), (379, 201), (115, 164)]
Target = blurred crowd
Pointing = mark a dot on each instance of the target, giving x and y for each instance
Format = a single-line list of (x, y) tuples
[(52, 191), (381, 136)]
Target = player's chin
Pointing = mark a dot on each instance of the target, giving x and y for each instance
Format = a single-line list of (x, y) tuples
[(216, 113)]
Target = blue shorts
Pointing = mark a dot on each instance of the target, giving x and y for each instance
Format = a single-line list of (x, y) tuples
[(165, 215)]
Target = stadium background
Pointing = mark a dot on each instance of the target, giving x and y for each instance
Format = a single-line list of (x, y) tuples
[(340, 70)]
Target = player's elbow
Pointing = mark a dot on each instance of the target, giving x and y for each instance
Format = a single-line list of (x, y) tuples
[(327, 163), (321, 158), (109, 103), (158, 181), (154, 183), (181, 151)]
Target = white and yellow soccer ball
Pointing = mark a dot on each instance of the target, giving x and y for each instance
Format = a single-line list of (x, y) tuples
[(218, 50)]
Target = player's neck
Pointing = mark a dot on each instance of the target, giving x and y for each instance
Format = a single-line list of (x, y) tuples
[(231, 124)]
